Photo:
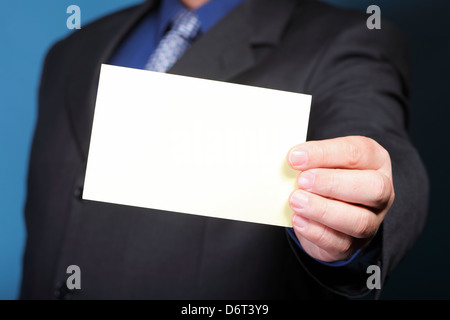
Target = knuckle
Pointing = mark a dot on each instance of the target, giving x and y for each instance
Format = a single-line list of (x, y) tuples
[(321, 154), (374, 147), (354, 154), (331, 184), (365, 226), (321, 238), (386, 154), (322, 210), (392, 194), (318, 253), (381, 190), (331, 243), (370, 143), (345, 247), (322, 254)]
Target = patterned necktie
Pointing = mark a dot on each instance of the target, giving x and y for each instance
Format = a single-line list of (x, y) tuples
[(184, 29)]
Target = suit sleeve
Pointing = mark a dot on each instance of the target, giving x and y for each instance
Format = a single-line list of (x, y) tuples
[(360, 86)]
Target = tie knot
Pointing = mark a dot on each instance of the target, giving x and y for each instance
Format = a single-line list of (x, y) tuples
[(186, 24)]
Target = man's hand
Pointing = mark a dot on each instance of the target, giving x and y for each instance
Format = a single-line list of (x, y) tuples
[(345, 190)]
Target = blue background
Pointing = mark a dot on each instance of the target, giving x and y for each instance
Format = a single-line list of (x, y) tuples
[(28, 28)]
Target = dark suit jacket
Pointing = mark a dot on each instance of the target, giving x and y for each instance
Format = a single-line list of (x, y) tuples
[(359, 82)]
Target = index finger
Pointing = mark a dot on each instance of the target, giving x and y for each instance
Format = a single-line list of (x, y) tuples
[(352, 152)]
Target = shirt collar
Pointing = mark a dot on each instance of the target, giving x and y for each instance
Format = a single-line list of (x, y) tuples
[(209, 14)]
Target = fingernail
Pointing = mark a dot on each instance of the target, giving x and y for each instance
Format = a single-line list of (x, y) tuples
[(298, 158), (306, 180), (299, 222), (298, 201)]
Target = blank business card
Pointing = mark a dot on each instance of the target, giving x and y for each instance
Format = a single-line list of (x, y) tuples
[(194, 146)]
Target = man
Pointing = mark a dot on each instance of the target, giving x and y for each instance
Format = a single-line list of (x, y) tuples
[(362, 190)]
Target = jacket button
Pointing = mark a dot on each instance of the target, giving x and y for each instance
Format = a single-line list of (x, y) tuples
[(62, 292), (78, 192)]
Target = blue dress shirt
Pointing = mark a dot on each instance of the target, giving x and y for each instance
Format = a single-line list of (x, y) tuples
[(138, 46)]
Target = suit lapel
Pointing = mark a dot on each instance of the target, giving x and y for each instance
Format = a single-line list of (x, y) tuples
[(221, 54), (228, 48)]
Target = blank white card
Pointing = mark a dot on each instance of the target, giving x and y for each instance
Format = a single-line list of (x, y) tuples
[(194, 146)]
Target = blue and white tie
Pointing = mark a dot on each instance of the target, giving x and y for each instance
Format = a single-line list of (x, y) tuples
[(184, 29)]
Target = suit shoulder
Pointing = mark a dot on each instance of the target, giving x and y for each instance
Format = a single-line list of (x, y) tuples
[(329, 21), (326, 28)]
